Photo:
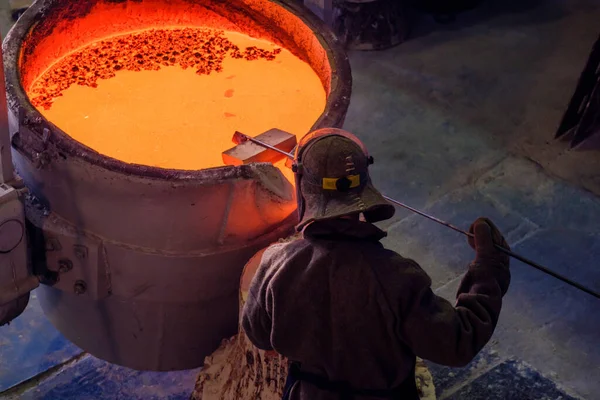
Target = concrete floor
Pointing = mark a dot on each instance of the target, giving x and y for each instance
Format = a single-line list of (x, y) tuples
[(461, 121)]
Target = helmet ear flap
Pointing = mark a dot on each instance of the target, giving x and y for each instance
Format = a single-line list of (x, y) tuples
[(299, 199), (297, 170)]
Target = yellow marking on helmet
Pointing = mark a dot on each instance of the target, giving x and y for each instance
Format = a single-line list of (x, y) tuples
[(331, 183)]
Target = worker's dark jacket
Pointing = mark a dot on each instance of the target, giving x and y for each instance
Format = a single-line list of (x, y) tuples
[(350, 310)]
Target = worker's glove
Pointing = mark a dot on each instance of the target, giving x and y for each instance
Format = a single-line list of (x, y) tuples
[(485, 235)]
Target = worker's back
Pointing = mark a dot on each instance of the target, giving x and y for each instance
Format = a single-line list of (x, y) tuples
[(347, 309), (332, 315)]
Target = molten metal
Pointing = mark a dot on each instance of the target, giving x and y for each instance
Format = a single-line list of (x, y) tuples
[(171, 97)]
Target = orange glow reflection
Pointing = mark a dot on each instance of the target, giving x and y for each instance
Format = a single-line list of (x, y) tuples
[(175, 118)]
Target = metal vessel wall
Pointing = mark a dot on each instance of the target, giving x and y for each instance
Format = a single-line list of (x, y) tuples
[(143, 263)]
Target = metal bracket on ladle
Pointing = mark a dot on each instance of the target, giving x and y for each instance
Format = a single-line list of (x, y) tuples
[(240, 137), (16, 281)]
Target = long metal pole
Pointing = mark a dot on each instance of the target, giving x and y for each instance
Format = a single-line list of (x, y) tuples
[(502, 249), (6, 167), (454, 228)]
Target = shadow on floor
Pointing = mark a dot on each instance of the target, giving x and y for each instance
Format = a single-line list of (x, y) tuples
[(529, 12)]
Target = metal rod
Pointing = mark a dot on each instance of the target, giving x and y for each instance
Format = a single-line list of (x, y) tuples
[(502, 249), (263, 144), (454, 228), (421, 213), (6, 166)]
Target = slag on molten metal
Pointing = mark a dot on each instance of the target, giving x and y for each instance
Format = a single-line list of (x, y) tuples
[(172, 98)]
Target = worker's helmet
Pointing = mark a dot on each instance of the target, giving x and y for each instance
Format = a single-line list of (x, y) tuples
[(332, 179)]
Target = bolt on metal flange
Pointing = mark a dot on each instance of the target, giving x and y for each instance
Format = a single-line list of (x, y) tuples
[(80, 287), (64, 265), (80, 251)]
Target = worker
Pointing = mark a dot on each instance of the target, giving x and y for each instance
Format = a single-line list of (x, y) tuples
[(350, 315)]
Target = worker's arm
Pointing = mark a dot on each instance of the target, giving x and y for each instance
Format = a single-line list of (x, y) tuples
[(256, 318), (439, 332)]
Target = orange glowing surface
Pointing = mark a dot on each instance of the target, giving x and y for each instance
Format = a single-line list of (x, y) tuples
[(174, 117)]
